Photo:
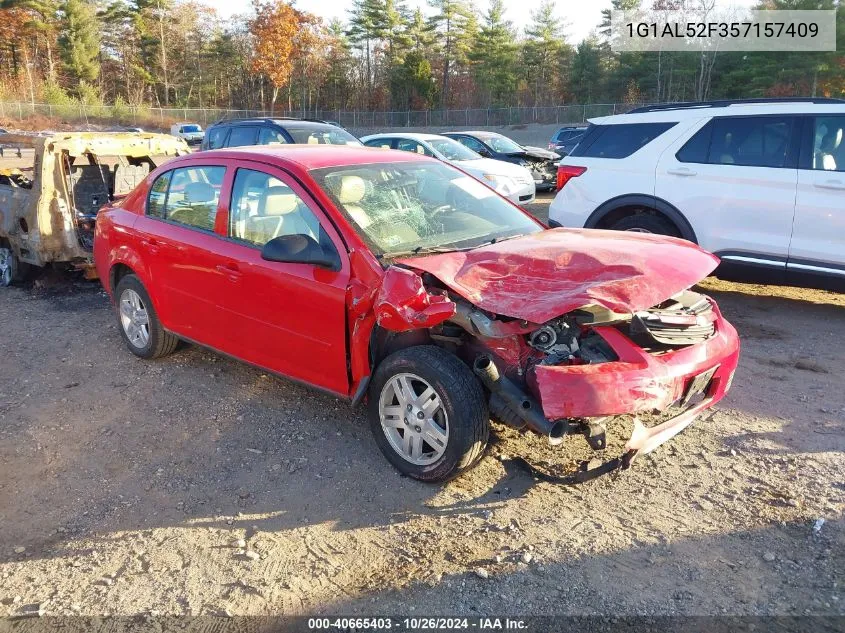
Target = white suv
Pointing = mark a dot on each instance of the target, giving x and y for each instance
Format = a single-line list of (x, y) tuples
[(760, 183)]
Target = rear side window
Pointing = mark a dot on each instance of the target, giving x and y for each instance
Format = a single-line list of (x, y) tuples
[(188, 196), (745, 141), (216, 137), (750, 141), (698, 147), (269, 136), (379, 142), (320, 135), (829, 143), (241, 136), (158, 196), (618, 141)]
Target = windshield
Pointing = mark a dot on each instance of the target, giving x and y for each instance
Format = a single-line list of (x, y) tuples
[(188, 129), (501, 144), (452, 150), (417, 207), (321, 135)]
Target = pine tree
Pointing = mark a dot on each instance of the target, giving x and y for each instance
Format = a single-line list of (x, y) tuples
[(541, 51), (454, 25), (79, 43), (494, 56)]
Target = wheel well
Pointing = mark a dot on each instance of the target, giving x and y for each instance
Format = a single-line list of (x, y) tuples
[(613, 216), (118, 272), (384, 342)]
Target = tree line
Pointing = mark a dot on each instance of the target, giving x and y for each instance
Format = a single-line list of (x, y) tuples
[(181, 53)]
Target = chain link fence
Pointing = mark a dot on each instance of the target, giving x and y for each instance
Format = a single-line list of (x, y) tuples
[(163, 117)]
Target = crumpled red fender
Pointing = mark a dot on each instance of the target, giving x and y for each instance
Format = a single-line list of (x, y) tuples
[(396, 300), (402, 303)]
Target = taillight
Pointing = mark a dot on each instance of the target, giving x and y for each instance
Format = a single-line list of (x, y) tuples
[(566, 172)]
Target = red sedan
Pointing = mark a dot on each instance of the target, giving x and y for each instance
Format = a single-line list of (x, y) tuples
[(395, 278)]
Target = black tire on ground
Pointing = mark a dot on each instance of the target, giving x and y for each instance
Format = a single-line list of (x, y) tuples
[(646, 223), (14, 271), (463, 400), (161, 342)]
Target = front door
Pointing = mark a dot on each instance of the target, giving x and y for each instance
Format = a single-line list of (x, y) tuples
[(818, 238), (288, 318)]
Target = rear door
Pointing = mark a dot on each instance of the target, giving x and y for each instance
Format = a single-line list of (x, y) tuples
[(734, 179), (289, 318), (179, 248), (242, 135), (818, 237), (385, 143)]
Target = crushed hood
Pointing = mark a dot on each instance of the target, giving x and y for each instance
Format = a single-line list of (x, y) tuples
[(537, 153), (545, 275)]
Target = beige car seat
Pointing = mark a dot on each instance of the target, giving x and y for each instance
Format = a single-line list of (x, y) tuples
[(279, 213), (352, 191), (829, 149), (387, 231), (198, 206)]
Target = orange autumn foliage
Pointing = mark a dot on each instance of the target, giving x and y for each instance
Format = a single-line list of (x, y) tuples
[(274, 30)]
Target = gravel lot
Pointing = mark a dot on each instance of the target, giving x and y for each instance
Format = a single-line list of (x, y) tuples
[(197, 485)]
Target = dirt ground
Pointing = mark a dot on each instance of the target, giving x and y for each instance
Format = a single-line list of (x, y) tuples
[(198, 485)]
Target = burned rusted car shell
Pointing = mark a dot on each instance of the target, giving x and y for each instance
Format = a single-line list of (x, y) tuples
[(47, 216)]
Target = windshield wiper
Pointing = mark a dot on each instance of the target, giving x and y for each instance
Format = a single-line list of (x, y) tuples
[(432, 250)]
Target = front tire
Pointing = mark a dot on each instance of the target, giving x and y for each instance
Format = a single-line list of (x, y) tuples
[(138, 322), (428, 413)]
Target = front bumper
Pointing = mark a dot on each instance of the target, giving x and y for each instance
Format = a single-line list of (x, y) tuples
[(638, 382), (524, 195)]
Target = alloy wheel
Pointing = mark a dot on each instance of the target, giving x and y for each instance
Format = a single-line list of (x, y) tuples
[(134, 318), (413, 419)]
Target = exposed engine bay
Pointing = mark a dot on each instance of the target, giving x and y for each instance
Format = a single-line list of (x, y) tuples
[(542, 170)]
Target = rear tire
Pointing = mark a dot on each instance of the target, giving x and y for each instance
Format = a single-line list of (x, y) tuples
[(138, 322), (12, 270), (445, 414), (646, 223)]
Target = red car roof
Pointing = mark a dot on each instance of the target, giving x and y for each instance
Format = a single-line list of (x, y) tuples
[(314, 156)]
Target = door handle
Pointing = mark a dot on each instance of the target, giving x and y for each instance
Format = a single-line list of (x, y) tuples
[(152, 244), (681, 171), (830, 184), (231, 271)]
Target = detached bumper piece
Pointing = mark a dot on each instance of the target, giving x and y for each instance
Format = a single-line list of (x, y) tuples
[(643, 440)]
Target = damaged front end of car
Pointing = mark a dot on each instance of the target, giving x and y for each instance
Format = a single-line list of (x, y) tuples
[(602, 356)]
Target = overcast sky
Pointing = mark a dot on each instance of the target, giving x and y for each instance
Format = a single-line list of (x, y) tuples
[(580, 16)]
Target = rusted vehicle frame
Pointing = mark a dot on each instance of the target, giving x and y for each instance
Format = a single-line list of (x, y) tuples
[(43, 219)]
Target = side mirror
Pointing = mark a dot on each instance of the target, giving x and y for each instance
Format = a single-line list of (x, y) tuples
[(299, 249), (486, 153)]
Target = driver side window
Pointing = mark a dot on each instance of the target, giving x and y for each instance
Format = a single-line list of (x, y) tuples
[(263, 207), (409, 145), (473, 144)]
